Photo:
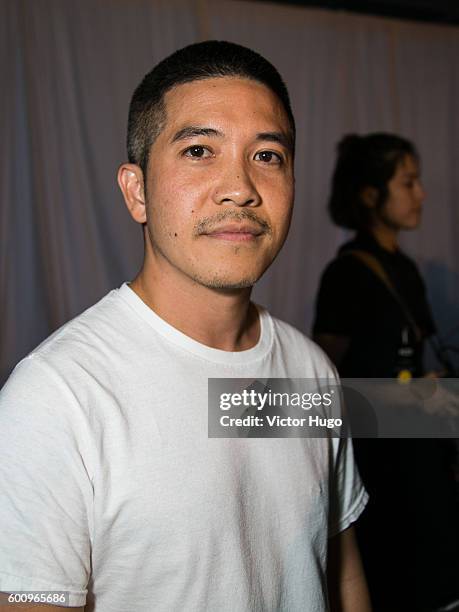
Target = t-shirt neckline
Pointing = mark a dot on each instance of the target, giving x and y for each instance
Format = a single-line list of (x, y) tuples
[(177, 337)]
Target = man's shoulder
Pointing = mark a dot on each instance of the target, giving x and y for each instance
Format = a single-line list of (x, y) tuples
[(89, 343), (83, 351), (86, 331), (303, 349)]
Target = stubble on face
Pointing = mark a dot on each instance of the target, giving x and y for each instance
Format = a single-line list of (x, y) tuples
[(205, 225)]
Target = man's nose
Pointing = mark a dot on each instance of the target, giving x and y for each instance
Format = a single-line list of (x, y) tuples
[(236, 187)]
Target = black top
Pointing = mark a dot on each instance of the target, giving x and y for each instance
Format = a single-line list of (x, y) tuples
[(354, 302), (409, 532)]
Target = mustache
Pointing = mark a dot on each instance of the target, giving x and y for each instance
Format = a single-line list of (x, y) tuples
[(207, 224)]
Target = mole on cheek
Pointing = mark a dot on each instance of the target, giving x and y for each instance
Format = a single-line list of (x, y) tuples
[(175, 234)]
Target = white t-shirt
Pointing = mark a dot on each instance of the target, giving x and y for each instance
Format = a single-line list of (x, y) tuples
[(112, 490)]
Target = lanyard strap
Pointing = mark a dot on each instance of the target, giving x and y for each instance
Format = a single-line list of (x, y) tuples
[(376, 267)]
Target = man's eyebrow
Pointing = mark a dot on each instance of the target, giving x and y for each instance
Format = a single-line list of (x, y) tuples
[(279, 137), (191, 131)]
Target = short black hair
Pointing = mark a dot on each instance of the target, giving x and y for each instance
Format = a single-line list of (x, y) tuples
[(364, 161), (204, 60)]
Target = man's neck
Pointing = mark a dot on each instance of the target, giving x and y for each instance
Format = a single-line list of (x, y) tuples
[(225, 320)]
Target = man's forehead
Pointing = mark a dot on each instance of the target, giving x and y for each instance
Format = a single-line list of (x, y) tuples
[(210, 84), (192, 102)]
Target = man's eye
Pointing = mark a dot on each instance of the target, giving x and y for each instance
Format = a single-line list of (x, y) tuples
[(197, 151), (268, 157)]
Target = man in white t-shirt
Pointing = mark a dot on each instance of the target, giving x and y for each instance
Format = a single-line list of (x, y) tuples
[(111, 490)]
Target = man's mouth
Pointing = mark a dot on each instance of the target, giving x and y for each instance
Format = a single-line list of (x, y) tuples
[(235, 232)]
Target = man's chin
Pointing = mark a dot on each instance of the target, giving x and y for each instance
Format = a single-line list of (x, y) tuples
[(229, 283)]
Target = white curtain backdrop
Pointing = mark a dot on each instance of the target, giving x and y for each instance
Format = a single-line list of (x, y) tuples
[(68, 70)]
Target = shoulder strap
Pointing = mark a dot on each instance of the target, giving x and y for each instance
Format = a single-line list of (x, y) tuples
[(371, 262)]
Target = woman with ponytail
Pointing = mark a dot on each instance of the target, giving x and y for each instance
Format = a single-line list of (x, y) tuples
[(372, 319)]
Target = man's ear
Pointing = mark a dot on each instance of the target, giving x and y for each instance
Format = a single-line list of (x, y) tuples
[(369, 196), (130, 180)]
